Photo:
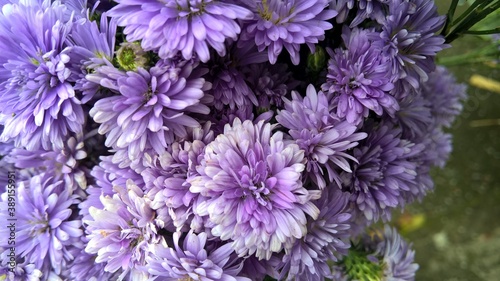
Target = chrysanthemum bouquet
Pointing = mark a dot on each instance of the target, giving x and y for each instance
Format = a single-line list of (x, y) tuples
[(217, 140)]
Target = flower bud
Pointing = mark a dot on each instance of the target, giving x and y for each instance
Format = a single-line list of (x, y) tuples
[(360, 266), (130, 56), (317, 60)]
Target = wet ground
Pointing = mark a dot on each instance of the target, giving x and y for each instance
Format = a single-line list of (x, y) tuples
[(456, 229)]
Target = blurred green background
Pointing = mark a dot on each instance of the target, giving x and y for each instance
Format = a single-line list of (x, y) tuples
[(456, 229)]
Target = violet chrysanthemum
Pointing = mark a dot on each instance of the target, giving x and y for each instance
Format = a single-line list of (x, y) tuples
[(149, 111), (116, 174), (38, 103), (395, 254), (255, 196), (286, 24), (437, 148), (165, 174), (194, 258), (185, 26), (414, 116), (424, 181), (323, 137), (359, 79), (61, 163), (409, 40), (84, 267), (91, 45), (398, 257), (385, 170), (104, 177), (445, 96), (326, 239), (45, 228), (383, 256), (166, 177), (120, 231), (228, 82), (18, 270), (270, 83)]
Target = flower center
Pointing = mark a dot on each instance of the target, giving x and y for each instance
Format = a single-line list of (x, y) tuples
[(280, 10), (260, 192), (148, 94), (40, 224), (191, 8), (264, 11), (255, 183)]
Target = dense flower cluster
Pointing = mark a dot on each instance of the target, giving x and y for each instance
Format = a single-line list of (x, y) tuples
[(178, 140)]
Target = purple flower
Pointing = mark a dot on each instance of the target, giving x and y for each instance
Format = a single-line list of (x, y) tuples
[(270, 83), (38, 103), (45, 228), (255, 196), (325, 241), (120, 231), (84, 267), (414, 116), (228, 82), (359, 78), (445, 96), (385, 170), (438, 148), (166, 179), (166, 174), (397, 256), (379, 256), (423, 115), (91, 45), (318, 131), (150, 110), (189, 27), (193, 259), (424, 183), (409, 40), (61, 163), (277, 24), (22, 271), (104, 177)]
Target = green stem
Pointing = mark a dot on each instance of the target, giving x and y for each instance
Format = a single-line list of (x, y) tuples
[(476, 16), (483, 32), (485, 54), (449, 17), (468, 11)]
